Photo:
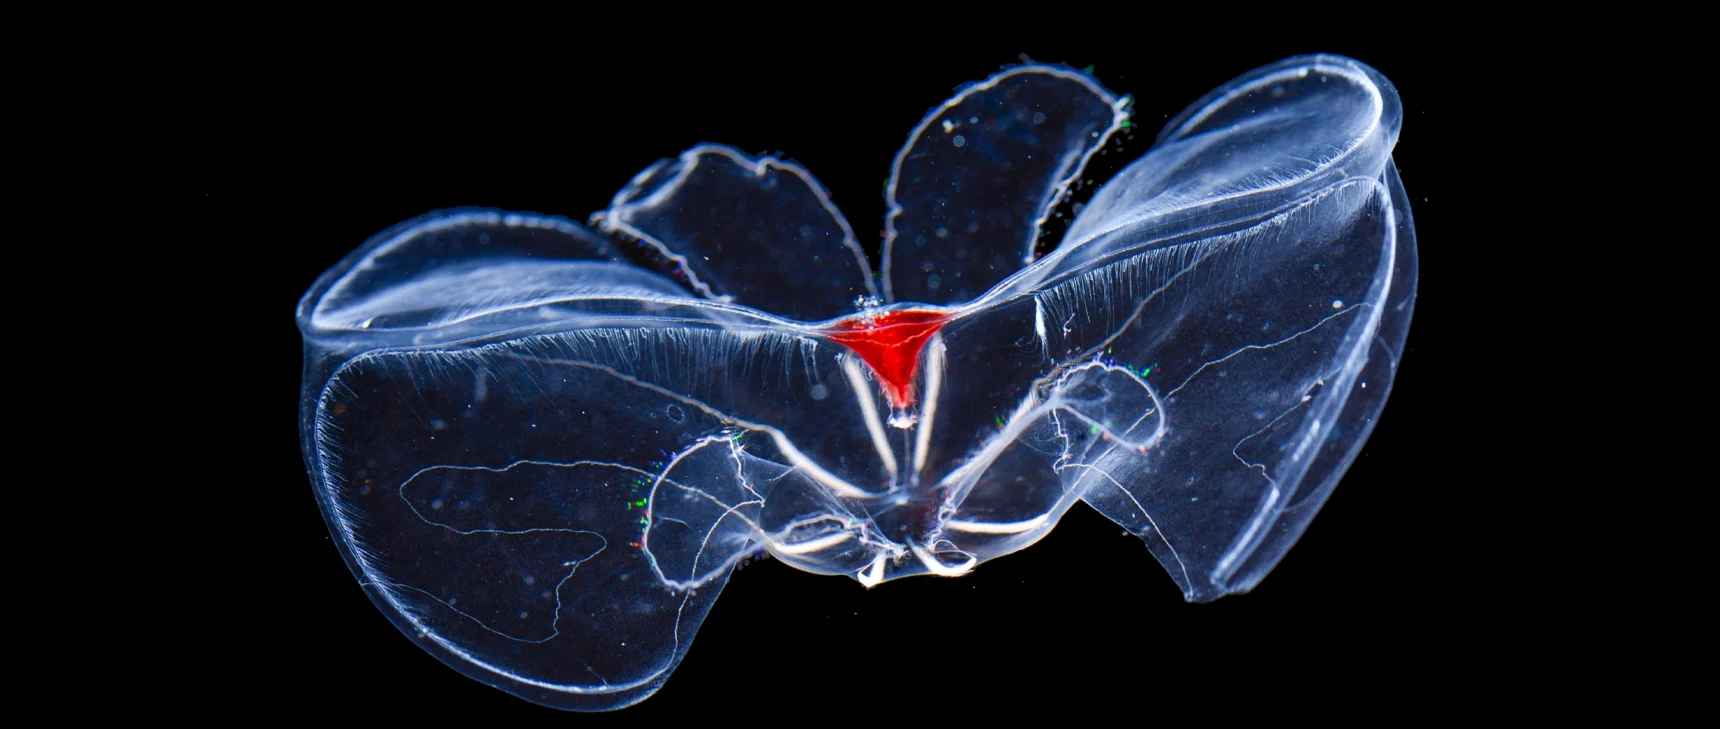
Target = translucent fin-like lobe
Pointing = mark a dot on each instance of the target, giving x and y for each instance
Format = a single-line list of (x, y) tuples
[(510, 551), (466, 273), (757, 231), (1253, 343), (1268, 137), (970, 191)]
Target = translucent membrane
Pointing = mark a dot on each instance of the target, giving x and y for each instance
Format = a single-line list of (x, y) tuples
[(542, 461)]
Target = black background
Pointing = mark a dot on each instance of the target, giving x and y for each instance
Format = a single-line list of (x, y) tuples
[(1378, 595)]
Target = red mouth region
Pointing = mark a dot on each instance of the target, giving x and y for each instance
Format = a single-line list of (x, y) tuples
[(890, 343)]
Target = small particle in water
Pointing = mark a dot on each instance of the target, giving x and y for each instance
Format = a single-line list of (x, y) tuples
[(819, 392), (960, 140), (1337, 303), (1039, 118)]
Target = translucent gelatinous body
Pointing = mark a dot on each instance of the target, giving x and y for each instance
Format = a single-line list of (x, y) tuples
[(543, 460)]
